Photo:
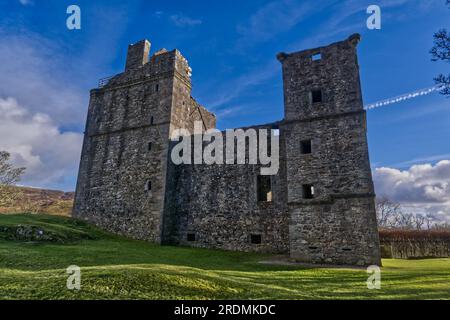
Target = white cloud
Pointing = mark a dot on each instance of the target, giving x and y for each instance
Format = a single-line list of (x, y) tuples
[(272, 19), (432, 158), (25, 2), (44, 91), (36, 101), (36, 143), (422, 188), (230, 111), (36, 75), (232, 89), (181, 20)]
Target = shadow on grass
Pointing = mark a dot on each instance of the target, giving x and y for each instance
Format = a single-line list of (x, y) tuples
[(118, 268)]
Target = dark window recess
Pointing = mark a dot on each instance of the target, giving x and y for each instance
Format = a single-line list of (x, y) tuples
[(346, 249), (149, 146), (152, 120), (316, 96), (148, 186), (191, 237), (316, 57), (156, 87), (264, 187), (255, 239), (308, 191), (305, 147)]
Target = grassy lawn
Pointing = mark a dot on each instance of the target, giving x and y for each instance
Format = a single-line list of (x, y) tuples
[(117, 268)]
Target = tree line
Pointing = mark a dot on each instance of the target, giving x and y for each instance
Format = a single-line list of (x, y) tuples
[(391, 215)]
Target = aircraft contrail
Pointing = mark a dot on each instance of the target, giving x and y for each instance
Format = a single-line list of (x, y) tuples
[(404, 97)]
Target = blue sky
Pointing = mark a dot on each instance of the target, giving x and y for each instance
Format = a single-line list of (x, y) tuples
[(47, 70)]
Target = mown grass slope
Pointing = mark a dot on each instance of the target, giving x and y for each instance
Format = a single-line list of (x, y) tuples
[(117, 268)]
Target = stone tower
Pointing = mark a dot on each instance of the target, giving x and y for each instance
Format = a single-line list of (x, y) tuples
[(329, 182), (318, 207), (122, 176)]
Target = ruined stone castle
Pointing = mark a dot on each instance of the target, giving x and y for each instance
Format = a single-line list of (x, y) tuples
[(318, 208)]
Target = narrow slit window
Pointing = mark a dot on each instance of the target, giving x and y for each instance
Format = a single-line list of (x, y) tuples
[(305, 147), (264, 187), (156, 87), (316, 96), (148, 186), (152, 120), (308, 191), (149, 146), (191, 237), (316, 57), (255, 239)]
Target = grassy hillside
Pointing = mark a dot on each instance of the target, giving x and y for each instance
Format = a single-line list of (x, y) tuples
[(36, 250), (51, 202)]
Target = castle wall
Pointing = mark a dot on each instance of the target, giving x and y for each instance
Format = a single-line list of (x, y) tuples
[(219, 205), (128, 184), (130, 112), (338, 223), (336, 232)]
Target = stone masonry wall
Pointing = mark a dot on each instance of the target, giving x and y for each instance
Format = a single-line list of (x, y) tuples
[(218, 204), (130, 112), (128, 184), (338, 225)]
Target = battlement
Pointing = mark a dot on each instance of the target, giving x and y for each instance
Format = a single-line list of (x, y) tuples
[(322, 81), (137, 54), (141, 66), (319, 53)]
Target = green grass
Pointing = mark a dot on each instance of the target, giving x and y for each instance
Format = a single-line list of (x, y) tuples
[(117, 268)]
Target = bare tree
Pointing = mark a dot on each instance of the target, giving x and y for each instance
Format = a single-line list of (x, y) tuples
[(9, 176), (419, 221), (430, 220), (441, 51), (391, 215), (444, 226), (404, 220), (387, 211)]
